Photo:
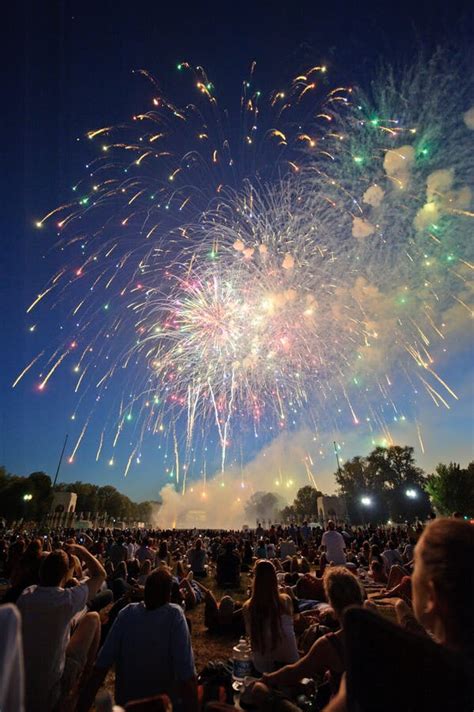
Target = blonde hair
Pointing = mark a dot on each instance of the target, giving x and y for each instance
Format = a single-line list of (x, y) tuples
[(342, 588), (145, 567), (265, 606), (446, 548)]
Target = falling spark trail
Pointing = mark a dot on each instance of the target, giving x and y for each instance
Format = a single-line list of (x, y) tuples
[(26, 369)]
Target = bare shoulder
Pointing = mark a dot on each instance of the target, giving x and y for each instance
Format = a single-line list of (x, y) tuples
[(326, 648), (286, 602)]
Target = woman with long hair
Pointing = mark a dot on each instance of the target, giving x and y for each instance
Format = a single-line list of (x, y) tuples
[(326, 655), (26, 570), (443, 584), (442, 595), (268, 616), (163, 556), (145, 570)]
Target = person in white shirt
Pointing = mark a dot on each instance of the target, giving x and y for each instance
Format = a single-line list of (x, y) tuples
[(55, 660), (271, 552), (268, 618), (12, 685), (150, 646), (335, 545), (197, 559), (287, 548), (131, 548), (409, 551), (391, 556)]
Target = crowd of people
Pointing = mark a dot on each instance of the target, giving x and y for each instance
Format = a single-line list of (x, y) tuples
[(327, 613)]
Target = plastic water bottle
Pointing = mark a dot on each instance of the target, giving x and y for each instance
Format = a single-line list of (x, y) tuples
[(241, 660)]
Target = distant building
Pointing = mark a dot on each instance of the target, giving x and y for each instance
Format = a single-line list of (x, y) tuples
[(332, 507), (193, 518), (64, 503), (63, 508)]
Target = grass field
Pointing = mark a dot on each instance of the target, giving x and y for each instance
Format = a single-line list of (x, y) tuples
[(206, 647)]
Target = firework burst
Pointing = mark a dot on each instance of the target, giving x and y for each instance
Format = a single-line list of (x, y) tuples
[(228, 283)]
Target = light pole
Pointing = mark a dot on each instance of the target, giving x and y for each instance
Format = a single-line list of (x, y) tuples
[(411, 494), (337, 458), (26, 498), (365, 501), (59, 463)]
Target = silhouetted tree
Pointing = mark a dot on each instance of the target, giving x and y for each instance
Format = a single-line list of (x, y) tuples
[(306, 503), (384, 476), (451, 489)]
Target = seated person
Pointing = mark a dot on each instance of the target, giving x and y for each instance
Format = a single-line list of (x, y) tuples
[(145, 570), (391, 556), (117, 580), (228, 567), (55, 659), (26, 570), (163, 555), (442, 682), (268, 616), (271, 549), (145, 551), (11, 660), (364, 555), (197, 559), (118, 551), (400, 590), (190, 591), (310, 587), (335, 546), (247, 559), (378, 572), (326, 655), (287, 548), (150, 645), (261, 549), (442, 592), (221, 616)]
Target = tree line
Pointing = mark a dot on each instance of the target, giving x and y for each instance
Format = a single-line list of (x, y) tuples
[(91, 499), (375, 488), (385, 485)]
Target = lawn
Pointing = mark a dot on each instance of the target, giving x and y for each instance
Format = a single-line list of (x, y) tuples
[(206, 646)]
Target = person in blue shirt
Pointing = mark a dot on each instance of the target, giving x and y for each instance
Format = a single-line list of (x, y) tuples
[(150, 646)]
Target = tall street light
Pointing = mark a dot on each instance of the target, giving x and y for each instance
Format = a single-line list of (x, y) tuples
[(365, 502)]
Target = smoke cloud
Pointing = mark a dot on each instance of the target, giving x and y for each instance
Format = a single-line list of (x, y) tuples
[(373, 196), (398, 163), (362, 228), (469, 118), (283, 467)]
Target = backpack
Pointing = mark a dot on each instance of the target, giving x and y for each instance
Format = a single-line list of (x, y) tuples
[(215, 683)]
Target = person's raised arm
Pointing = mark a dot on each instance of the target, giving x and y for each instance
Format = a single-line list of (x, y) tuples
[(88, 541), (307, 666), (96, 571)]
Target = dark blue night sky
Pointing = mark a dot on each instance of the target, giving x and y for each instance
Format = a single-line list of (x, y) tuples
[(69, 69)]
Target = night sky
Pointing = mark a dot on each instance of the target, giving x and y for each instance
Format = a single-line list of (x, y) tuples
[(69, 70)]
